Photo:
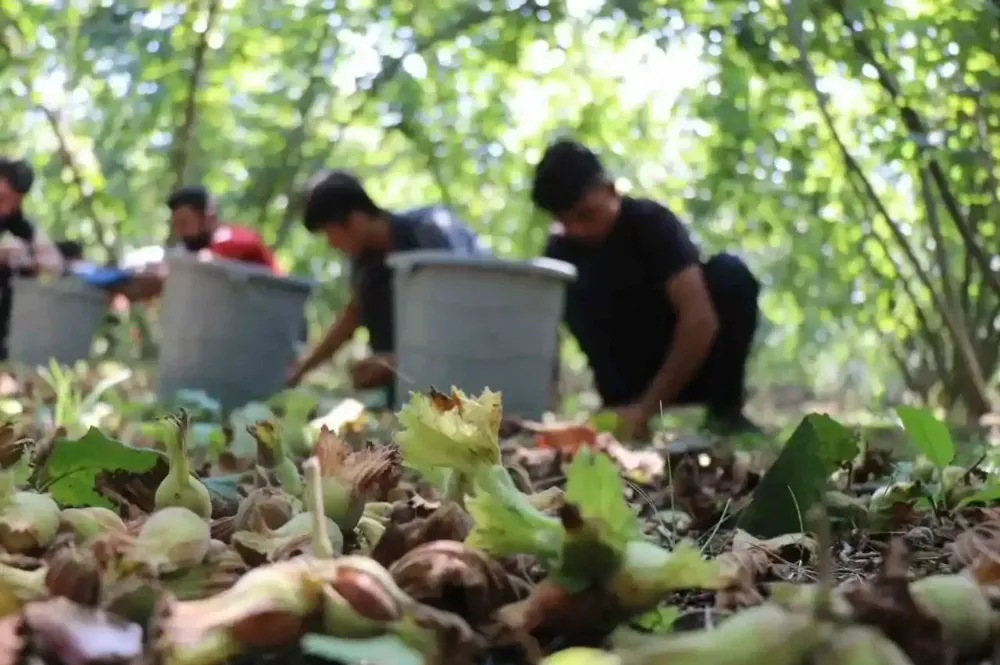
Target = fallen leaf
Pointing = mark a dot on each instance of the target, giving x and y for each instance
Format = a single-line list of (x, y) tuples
[(749, 561), (73, 466), (886, 604), (458, 579)]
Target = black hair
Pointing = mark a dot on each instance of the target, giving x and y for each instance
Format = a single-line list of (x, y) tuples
[(566, 171), (333, 195), (71, 250), (18, 173), (191, 196)]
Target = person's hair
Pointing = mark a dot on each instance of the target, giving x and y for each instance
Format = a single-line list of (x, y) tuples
[(18, 173), (566, 171), (195, 197), (70, 250), (333, 195)]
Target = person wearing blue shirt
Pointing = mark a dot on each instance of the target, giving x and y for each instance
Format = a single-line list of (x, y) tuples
[(339, 209)]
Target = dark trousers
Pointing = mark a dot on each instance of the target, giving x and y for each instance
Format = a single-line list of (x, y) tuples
[(720, 383)]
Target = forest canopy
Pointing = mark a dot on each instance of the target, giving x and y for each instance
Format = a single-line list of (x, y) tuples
[(846, 148)]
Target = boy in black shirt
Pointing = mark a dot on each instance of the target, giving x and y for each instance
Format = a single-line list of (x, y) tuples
[(658, 326), (339, 208)]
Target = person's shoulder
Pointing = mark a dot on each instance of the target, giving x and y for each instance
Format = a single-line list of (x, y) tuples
[(21, 227), (646, 210)]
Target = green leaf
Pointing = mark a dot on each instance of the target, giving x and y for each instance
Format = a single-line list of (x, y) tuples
[(929, 434), (384, 649), (595, 487), (659, 620), (798, 478), (73, 466)]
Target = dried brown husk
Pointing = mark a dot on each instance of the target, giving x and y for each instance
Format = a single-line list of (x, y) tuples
[(74, 574), (352, 478), (452, 577)]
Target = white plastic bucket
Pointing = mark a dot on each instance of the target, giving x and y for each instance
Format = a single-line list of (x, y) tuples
[(227, 328), (54, 320), (478, 322)]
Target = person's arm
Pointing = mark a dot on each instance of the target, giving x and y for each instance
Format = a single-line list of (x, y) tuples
[(338, 334), (673, 261), (47, 257), (697, 325)]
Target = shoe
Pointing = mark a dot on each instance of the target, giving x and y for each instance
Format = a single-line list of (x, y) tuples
[(731, 425)]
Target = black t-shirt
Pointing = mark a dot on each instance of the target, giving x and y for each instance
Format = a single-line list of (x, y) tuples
[(20, 227), (618, 308), (432, 227)]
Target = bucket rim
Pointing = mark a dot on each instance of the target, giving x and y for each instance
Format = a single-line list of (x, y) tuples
[(240, 269), (539, 266)]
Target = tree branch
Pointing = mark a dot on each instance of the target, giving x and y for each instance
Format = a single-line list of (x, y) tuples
[(86, 197), (914, 124), (180, 149), (390, 69), (291, 157), (959, 335)]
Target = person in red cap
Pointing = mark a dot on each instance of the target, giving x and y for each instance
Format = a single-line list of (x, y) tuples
[(194, 224)]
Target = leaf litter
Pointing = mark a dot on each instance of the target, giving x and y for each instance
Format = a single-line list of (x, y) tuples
[(449, 535)]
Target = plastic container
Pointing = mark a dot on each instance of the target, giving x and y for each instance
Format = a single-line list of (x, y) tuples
[(478, 322), (54, 320), (227, 328)]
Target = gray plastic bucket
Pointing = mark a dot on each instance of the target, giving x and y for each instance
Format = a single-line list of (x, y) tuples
[(227, 328), (54, 320), (478, 322)]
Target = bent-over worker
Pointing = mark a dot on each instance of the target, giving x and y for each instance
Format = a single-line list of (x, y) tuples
[(339, 208), (659, 326)]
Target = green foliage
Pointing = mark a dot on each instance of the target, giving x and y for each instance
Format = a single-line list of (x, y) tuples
[(798, 478), (74, 465), (847, 149), (929, 434)]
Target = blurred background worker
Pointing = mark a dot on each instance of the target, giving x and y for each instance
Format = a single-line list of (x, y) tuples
[(24, 249), (195, 226)]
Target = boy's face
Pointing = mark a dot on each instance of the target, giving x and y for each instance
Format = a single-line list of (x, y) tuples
[(10, 200), (593, 216), (350, 236)]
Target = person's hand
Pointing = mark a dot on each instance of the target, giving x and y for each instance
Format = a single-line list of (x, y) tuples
[(143, 286), (373, 371), (633, 422), (13, 256)]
